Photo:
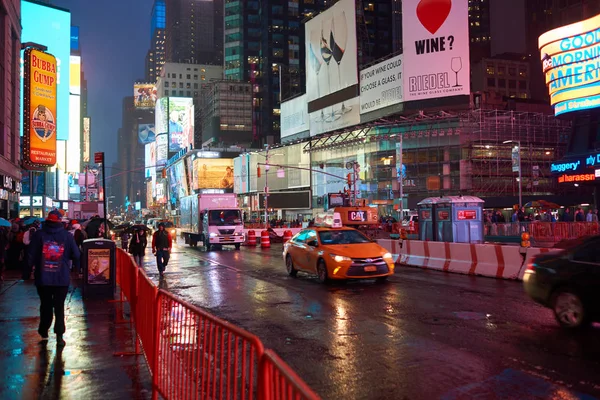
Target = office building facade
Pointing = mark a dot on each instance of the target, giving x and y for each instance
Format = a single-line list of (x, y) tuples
[(155, 58)]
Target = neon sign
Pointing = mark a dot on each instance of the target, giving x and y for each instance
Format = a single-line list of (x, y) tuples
[(576, 178), (568, 166), (571, 64)]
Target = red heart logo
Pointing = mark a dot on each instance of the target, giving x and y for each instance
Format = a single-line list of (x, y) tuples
[(433, 13)]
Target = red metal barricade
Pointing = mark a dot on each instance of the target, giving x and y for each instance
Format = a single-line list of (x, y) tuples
[(279, 382), (145, 317), (201, 356)]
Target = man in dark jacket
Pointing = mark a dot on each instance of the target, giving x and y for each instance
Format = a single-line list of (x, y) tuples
[(50, 250), (137, 246), (161, 246)]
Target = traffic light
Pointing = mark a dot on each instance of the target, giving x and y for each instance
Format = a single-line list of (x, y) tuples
[(258, 172), (349, 180)]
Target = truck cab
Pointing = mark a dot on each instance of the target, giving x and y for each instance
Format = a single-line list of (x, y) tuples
[(222, 227)]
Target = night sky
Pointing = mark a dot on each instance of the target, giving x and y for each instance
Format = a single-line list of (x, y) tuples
[(114, 37)]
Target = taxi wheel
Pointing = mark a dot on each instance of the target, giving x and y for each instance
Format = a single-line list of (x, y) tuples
[(322, 272), (289, 266)]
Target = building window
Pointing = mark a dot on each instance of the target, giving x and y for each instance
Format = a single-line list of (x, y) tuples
[(195, 86), (195, 94), (181, 93), (195, 69), (522, 72), (180, 85), (166, 84), (180, 76), (188, 85), (490, 69), (512, 71), (188, 76), (166, 93), (188, 93), (502, 83), (512, 84), (173, 92), (491, 82), (195, 77), (501, 70), (523, 85)]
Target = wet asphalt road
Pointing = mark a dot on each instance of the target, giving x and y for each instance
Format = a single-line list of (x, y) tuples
[(422, 335)]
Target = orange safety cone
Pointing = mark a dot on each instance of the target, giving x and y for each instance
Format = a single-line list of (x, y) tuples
[(265, 240), (251, 240), (287, 236)]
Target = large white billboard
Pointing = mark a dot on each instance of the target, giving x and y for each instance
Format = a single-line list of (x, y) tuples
[(331, 52), (336, 116), (381, 85), (294, 116), (150, 159), (436, 48), (180, 123), (162, 149)]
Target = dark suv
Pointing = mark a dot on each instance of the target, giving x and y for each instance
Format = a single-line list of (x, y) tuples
[(568, 282)]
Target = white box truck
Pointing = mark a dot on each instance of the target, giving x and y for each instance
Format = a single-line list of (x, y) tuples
[(214, 220)]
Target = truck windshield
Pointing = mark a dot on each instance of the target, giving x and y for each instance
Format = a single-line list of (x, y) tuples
[(224, 217)]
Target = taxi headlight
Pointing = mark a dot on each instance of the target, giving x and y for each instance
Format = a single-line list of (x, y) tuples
[(338, 259), (388, 256)]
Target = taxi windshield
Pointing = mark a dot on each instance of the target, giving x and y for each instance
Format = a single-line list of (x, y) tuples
[(342, 237)]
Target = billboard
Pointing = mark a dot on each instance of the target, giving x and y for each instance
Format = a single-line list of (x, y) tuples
[(162, 149), (75, 75), (150, 160), (74, 142), (178, 187), (213, 173), (51, 27), (39, 112), (161, 116), (146, 133), (336, 116), (331, 61), (181, 123), (86, 139), (381, 85), (570, 63), (144, 95), (436, 49), (294, 116)]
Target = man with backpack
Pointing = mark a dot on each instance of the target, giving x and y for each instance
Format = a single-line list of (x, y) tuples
[(50, 250), (161, 247)]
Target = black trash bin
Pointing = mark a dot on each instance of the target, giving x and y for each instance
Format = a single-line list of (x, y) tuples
[(98, 262)]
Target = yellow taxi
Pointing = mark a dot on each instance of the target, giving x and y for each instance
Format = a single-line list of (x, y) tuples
[(337, 252)]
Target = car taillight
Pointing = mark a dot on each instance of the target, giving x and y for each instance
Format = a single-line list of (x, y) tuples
[(530, 267)]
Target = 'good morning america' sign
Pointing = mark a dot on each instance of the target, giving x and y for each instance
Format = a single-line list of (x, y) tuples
[(571, 63)]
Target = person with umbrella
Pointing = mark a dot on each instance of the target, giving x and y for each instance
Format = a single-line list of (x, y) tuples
[(32, 226), (137, 246)]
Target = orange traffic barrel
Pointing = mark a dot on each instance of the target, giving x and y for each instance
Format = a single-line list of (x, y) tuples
[(251, 239), (265, 241), (287, 236)]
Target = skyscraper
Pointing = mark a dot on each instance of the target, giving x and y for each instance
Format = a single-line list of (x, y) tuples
[(194, 31), (155, 58)]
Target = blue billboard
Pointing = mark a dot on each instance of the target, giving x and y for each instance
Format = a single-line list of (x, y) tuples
[(51, 27)]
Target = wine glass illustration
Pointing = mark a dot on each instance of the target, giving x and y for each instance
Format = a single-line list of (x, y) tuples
[(315, 62), (337, 42), (326, 53), (456, 66)]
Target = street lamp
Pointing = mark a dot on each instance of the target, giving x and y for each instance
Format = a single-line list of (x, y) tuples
[(518, 142)]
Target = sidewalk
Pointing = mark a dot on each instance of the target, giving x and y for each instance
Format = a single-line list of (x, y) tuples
[(84, 369)]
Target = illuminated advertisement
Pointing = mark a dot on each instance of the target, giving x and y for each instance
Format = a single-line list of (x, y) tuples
[(331, 67), (144, 95), (86, 139), (150, 159), (146, 133), (181, 123), (178, 187), (75, 75), (149, 197), (161, 112), (162, 149), (570, 63), (435, 34), (39, 114), (381, 85), (213, 173), (74, 142), (161, 194), (98, 266), (51, 27), (294, 116)]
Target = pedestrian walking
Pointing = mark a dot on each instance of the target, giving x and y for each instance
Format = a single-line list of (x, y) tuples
[(161, 247), (137, 246), (50, 250), (125, 241), (26, 271)]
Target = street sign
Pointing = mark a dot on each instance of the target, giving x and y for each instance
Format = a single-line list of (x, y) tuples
[(99, 158)]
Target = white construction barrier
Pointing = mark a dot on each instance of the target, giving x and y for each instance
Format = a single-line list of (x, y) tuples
[(491, 260)]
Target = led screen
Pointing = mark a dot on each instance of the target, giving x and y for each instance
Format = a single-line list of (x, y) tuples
[(213, 173), (181, 123), (51, 27)]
